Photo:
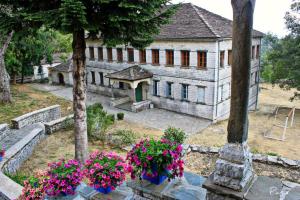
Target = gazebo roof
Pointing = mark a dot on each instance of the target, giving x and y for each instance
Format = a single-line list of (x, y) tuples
[(132, 73)]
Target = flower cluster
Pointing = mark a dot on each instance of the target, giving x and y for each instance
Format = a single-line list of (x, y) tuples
[(163, 155), (33, 187), (106, 170), (2, 151), (64, 177)]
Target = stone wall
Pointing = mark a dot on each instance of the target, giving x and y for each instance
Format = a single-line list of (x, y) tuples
[(58, 124), (42, 115), (13, 159), (3, 130), (215, 79)]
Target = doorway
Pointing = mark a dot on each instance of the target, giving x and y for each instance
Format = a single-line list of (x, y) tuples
[(61, 79), (139, 93)]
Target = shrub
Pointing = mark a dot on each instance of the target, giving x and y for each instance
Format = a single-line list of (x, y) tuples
[(165, 155), (64, 177), (105, 170), (122, 137), (34, 187), (111, 117), (98, 121), (120, 116), (174, 135)]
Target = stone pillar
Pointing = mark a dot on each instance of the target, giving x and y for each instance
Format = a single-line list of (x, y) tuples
[(234, 173), (112, 90)]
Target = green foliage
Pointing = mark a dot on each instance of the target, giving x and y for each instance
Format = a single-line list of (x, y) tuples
[(29, 50), (111, 117), (120, 116), (124, 137), (98, 121), (174, 135), (272, 154), (18, 177), (281, 61)]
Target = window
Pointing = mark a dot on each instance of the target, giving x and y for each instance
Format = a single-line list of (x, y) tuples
[(93, 78), (155, 56), (120, 54), (101, 78), (92, 55), (222, 57), (253, 53), (142, 56), (155, 88), (229, 57), (109, 54), (185, 58), (202, 59), (257, 52), (185, 92), (169, 57), (201, 94), (100, 53), (130, 54), (169, 89), (121, 85)]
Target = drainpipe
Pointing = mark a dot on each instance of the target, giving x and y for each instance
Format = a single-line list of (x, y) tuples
[(256, 103), (218, 79)]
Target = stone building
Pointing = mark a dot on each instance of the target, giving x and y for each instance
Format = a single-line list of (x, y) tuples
[(187, 67), (61, 74)]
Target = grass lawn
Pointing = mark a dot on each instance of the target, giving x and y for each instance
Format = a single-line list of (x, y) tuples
[(27, 99)]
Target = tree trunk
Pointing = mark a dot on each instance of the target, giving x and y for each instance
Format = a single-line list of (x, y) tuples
[(79, 96), (14, 75), (241, 66), (4, 76)]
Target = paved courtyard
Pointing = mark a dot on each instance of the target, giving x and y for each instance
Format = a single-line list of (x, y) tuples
[(154, 118)]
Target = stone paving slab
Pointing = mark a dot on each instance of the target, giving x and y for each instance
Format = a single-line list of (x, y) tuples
[(148, 118)]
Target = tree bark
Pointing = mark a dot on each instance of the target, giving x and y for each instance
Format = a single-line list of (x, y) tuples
[(4, 76), (241, 66), (79, 96)]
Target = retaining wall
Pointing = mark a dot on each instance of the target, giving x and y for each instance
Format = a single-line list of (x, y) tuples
[(43, 115), (3, 130), (55, 125), (13, 159)]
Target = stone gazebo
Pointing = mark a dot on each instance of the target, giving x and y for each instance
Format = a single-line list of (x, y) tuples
[(137, 81)]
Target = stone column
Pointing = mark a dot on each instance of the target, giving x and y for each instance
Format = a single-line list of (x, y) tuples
[(234, 172), (112, 90)]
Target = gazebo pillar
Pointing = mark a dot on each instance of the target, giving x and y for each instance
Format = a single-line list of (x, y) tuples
[(112, 90), (234, 173)]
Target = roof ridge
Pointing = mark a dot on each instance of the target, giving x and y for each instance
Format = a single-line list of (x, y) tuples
[(204, 21)]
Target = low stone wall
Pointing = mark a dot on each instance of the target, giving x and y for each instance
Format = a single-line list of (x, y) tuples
[(58, 124), (119, 101), (13, 159), (3, 130), (277, 160), (43, 115), (139, 106)]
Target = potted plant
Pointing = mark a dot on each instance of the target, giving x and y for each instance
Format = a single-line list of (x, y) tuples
[(2, 152), (33, 187), (105, 171), (64, 177), (156, 160)]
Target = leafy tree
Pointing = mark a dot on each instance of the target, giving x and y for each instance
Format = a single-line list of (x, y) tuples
[(40, 45), (116, 21), (281, 61)]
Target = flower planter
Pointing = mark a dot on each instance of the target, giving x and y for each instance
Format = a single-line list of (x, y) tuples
[(158, 179), (104, 190)]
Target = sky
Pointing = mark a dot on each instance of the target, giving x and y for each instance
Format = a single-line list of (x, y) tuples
[(268, 14)]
